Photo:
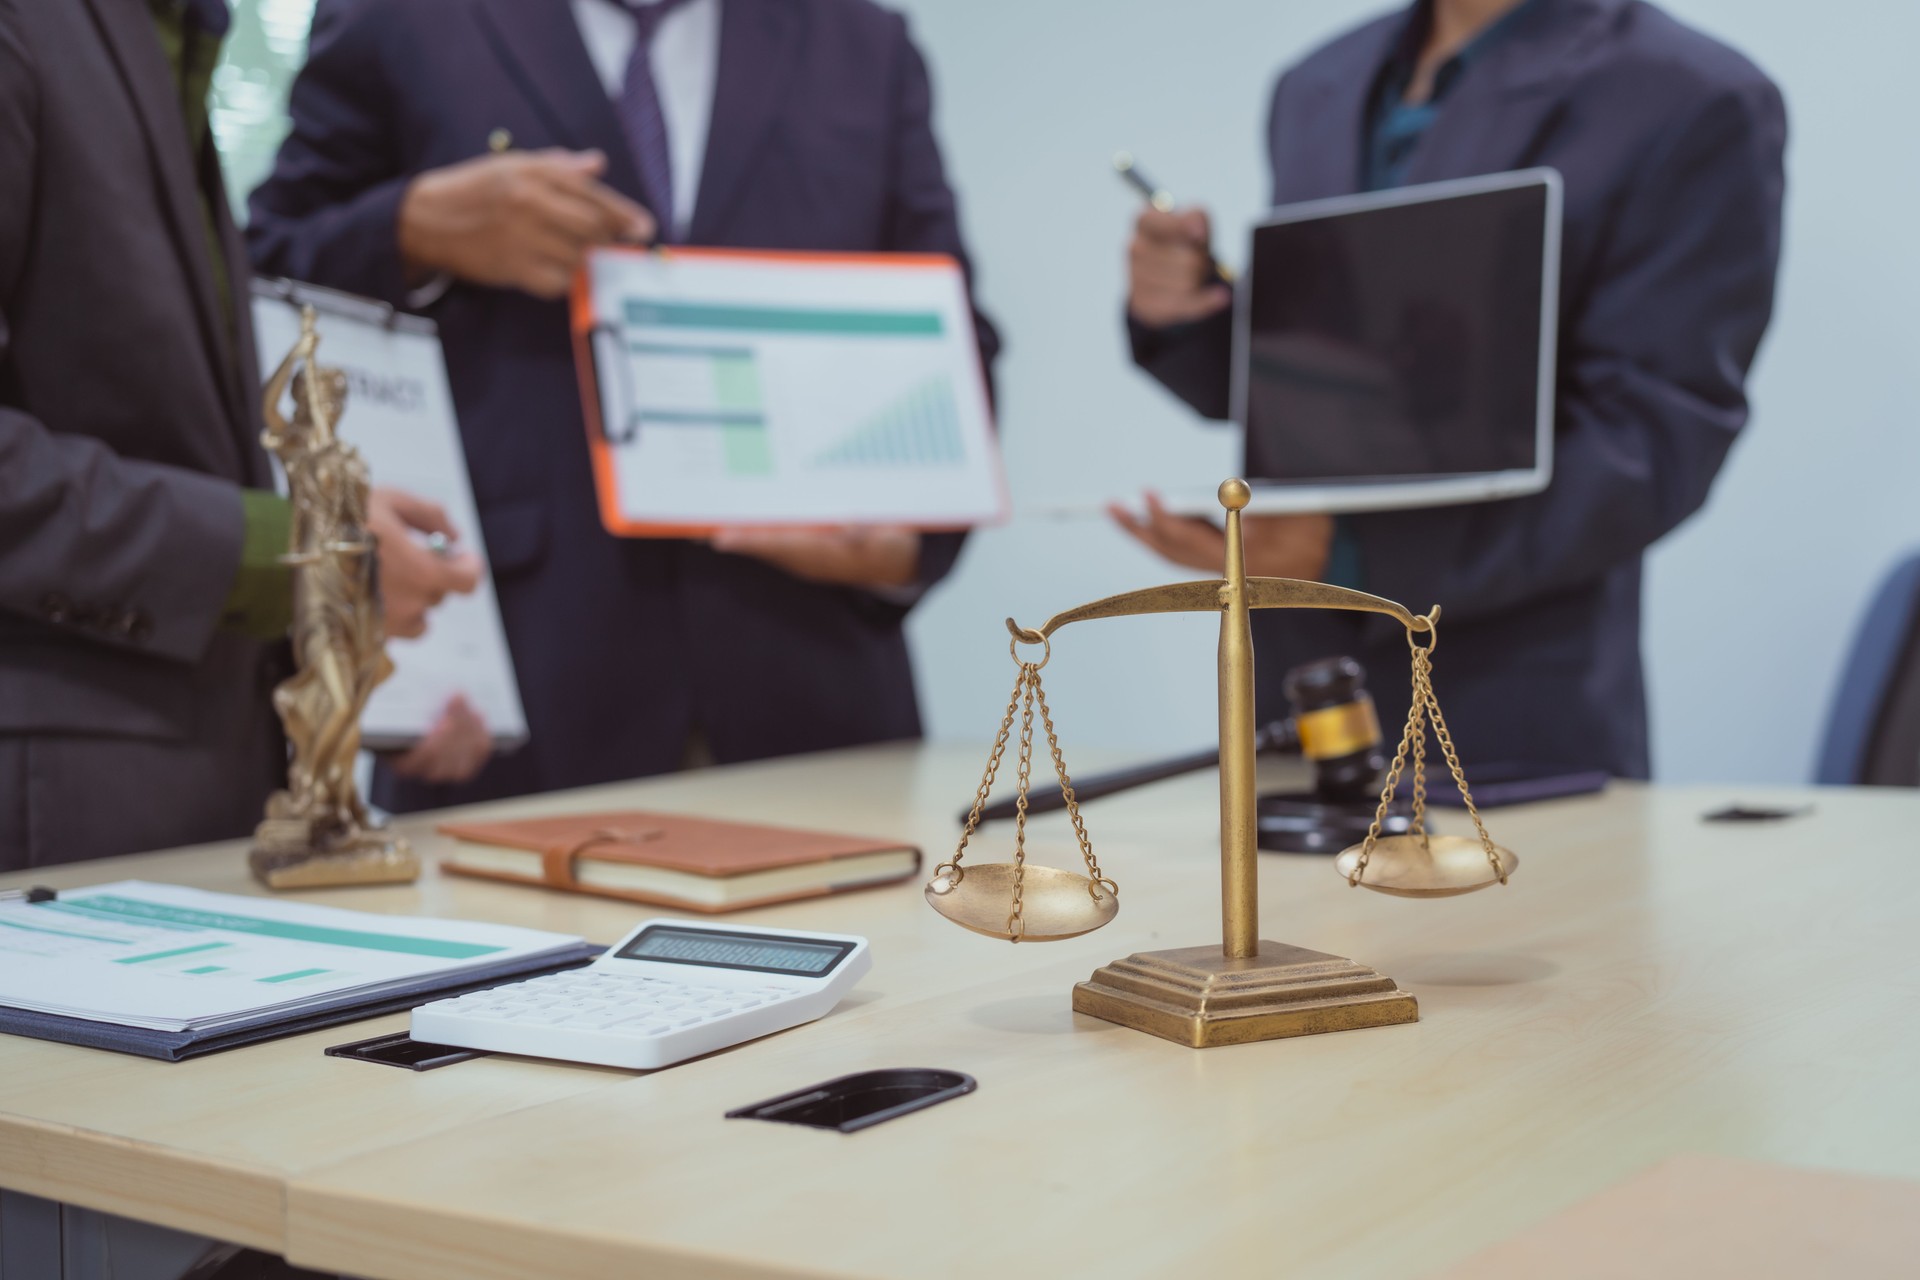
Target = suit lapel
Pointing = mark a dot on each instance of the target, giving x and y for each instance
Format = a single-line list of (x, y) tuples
[(759, 48), (126, 27), (246, 361), (1320, 153), (540, 43), (1495, 118)]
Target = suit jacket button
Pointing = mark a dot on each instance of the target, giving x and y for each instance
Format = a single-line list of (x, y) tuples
[(57, 608), (130, 625)]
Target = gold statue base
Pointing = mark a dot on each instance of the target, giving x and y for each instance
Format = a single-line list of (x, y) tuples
[(1201, 998), (288, 854)]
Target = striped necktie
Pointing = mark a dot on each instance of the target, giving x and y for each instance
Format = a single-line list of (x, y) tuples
[(640, 114)]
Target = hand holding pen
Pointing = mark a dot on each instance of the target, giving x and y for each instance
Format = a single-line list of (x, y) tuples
[(1173, 277), (515, 219)]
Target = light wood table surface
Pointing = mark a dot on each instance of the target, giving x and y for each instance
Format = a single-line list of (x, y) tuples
[(1648, 985)]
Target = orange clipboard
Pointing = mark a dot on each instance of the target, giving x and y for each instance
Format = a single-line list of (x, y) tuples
[(621, 428)]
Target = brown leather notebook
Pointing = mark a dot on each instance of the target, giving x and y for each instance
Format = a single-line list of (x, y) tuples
[(697, 864)]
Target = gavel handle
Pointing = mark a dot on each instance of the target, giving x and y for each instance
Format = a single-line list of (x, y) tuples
[(1278, 736)]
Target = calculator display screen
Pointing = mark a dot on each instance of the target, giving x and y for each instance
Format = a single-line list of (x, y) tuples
[(759, 952)]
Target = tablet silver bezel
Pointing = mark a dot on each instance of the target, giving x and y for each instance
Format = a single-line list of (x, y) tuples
[(1360, 493)]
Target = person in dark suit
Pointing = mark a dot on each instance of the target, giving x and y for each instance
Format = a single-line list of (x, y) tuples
[(1670, 146), (143, 611), (782, 124)]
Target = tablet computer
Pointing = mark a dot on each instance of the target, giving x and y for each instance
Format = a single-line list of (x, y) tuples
[(1396, 349)]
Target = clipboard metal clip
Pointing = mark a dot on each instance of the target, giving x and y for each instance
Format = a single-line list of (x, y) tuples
[(624, 407), (298, 293)]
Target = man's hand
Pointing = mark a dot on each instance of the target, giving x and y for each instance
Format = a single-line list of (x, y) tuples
[(453, 750), (520, 220), (1276, 546), (855, 556), (1170, 277), (413, 579)]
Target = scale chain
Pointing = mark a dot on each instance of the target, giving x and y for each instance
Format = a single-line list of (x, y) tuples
[(1073, 802), (952, 865), (1422, 691), (1460, 779), (1016, 923), (1414, 732), (1425, 706), (1028, 694)]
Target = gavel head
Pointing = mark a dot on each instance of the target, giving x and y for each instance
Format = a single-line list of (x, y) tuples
[(1339, 731)]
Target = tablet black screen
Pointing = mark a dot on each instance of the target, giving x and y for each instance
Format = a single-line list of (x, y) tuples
[(1397, 341)]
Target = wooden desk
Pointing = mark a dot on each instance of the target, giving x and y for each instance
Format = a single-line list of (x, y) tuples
[(1647, 985)]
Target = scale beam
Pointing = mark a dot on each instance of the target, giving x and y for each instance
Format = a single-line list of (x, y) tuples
[(1175, 597), (1214, 595)]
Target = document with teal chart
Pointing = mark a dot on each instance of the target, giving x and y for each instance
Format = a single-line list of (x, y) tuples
[(169, 958), (734, 388)]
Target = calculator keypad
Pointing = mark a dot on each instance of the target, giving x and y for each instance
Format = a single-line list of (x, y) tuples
[(627, 1006), (648, 1015)]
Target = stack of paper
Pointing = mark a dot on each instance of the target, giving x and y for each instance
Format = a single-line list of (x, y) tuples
[(167, 959)]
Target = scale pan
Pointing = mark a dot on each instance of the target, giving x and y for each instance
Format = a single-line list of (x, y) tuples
[(1449, 865), (1054, 904)]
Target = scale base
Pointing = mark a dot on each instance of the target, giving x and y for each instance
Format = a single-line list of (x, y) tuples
[(1200, 998)]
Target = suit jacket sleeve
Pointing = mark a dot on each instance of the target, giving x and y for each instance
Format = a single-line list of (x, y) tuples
[(1195, 360), (90, 541), (1653, 365), (925, 219), (329, 211)]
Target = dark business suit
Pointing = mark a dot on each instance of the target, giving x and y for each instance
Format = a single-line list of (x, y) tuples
[(625, 649), (127, 429), (1670, 146)]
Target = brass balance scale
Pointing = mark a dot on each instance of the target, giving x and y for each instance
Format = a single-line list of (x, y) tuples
[(1245, 989)]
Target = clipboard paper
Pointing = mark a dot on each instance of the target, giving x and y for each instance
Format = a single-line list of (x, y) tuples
[(730, 388)]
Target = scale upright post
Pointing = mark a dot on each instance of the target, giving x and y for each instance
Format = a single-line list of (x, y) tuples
[(1239, 833), (1244, 989)]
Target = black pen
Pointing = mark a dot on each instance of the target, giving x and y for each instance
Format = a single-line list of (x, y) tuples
[(39, 893), (1160, 198), (1280, 737)]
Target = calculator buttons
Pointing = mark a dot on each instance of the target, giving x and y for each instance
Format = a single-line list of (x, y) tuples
[(684, 1006)]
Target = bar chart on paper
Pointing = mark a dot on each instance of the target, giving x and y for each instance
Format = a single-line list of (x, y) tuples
[(785, 389)]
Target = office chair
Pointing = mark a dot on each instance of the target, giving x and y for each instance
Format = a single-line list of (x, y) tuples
[(1873, 730)]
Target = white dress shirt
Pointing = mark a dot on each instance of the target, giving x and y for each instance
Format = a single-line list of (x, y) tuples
[(685, 60)]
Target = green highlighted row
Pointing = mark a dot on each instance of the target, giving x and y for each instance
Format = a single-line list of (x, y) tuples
[(111, 906), (700, 315), (177, 951), (59, 933), (297, 973)]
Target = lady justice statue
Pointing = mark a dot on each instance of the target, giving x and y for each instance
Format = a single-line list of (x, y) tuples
[(317, 831)]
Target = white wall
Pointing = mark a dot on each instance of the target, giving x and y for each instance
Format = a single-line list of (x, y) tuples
[(1750, 605)]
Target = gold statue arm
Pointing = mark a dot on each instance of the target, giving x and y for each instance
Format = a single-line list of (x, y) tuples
[(1211, 597), (276, 387), (1177, 597), (1292, 593)]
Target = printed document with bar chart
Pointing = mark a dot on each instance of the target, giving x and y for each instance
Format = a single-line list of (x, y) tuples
[(733, 388)]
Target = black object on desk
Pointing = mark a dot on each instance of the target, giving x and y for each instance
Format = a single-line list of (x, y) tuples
[(1756, 813), (1509, 782), (399, 1049), (1280, 736), (862, 1100)]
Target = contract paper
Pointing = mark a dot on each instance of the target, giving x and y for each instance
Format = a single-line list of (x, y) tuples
[(400, 417), (172, 959), (738, 388)]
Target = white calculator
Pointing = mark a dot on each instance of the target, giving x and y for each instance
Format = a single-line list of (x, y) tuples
[(668, 991)]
